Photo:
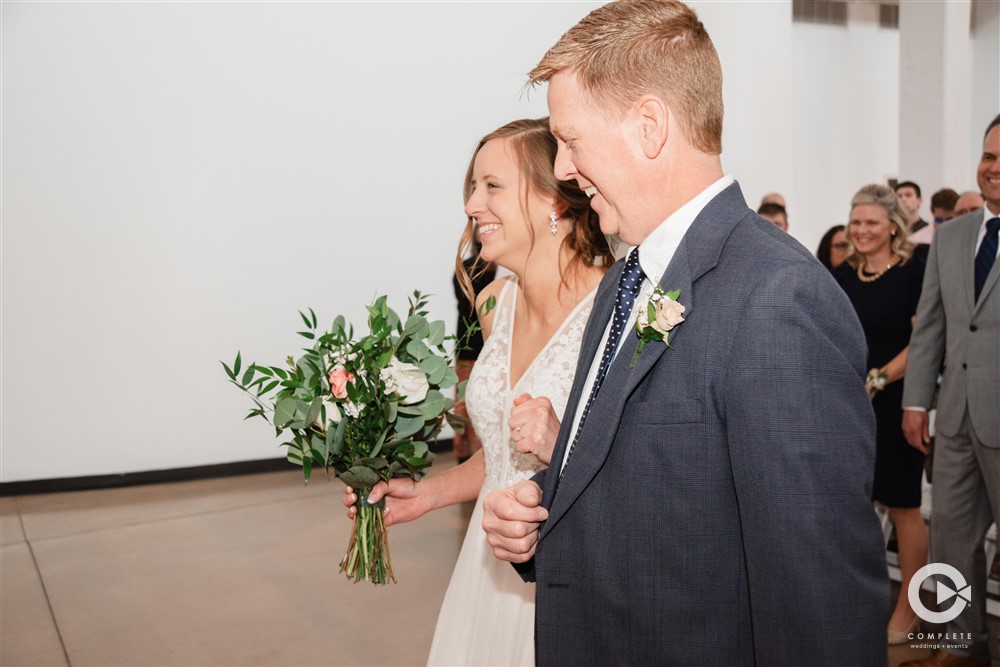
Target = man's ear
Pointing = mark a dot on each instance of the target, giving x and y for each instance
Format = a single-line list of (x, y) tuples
[(652, 116)]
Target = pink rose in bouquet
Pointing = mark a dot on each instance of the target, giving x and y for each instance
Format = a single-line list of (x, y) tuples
[(339, 377)]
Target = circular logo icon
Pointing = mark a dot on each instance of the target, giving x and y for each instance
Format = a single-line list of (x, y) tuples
[(959, 590)]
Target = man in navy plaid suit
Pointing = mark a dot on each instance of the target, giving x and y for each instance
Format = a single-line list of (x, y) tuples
[(708, 499)]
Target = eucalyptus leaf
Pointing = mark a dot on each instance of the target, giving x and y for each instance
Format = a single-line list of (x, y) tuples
[(338, 438), (450, 378), (435, 368), (374, 462), (320, 449), (314, 409), (417, 350), (294, 452), (433, 405), (284, 411), (407, 426), (378, 443), (365, 477), (436, 334)]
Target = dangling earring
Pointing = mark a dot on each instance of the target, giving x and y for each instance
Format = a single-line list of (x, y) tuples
[(552, 225), (474, 221)]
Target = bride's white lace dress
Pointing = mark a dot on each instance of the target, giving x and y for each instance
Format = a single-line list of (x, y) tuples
[(488, 614)]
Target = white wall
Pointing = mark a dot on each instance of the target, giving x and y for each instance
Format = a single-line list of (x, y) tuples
[(180, 178), (846, 84), (985, 74)]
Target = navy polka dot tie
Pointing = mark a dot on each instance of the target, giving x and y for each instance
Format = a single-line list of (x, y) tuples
[(987, 255), (628, 288)]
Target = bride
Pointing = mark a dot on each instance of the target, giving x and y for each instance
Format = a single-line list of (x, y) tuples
[(544, 232)]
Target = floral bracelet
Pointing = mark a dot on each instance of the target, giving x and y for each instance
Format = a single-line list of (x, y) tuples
[(876, 380)]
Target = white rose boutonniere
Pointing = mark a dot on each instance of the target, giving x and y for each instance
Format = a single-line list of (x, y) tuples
[(657, 318), (405, 379)]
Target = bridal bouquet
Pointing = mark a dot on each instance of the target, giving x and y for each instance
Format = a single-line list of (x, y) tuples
[(365, 407)]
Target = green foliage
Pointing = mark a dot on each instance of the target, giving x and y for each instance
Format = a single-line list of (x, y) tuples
[(375, 429)]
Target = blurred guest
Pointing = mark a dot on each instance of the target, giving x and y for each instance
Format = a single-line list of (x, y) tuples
[(968, 202), (482, 274), (775, 213), (833, 247), (943, 205), (883, 283), (908, 194), (773, 198)]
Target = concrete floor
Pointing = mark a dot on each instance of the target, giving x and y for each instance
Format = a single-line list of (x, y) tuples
[(236, 571)]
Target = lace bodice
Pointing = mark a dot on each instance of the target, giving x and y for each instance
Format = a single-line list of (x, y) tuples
[(489, 396)]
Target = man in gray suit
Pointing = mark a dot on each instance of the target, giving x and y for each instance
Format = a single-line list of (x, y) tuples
[(708, 500), (958, 330)]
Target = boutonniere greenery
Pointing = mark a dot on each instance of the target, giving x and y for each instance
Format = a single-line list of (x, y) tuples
[(657, 318)]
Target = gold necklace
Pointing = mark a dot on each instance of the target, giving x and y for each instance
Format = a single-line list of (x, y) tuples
[(870, 279)]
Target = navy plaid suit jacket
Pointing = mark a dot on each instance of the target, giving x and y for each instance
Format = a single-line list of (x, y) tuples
[(716, 509)]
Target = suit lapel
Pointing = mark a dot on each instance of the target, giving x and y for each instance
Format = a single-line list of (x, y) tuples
[(697, 254), (968, 245), (600, 315)]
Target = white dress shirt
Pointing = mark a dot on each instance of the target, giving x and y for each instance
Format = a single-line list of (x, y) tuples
[(655, 254)]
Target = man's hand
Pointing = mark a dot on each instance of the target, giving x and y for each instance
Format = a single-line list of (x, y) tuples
[(534, 426), (916, 428), (511, 519)]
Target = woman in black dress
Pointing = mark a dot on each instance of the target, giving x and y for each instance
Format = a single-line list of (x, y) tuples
[(882, 280)]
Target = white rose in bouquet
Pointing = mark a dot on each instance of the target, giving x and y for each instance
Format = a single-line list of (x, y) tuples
[(406, 380), (332, 414)]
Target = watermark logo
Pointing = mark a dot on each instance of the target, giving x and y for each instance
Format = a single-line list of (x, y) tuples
[(960, 590)]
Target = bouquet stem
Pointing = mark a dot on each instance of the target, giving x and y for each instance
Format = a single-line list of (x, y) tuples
[(367, 557)]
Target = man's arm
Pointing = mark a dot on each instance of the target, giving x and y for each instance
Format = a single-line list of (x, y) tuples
[(927, 345), (801, 436)]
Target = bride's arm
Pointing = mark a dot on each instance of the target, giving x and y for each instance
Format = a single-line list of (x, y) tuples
[(406, 500)]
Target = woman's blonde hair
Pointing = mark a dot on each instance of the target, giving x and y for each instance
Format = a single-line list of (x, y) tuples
[(534, 148), (625, 50), (884, 196)]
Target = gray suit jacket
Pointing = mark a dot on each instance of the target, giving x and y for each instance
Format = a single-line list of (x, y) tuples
[(961, 335), (716, 509)]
